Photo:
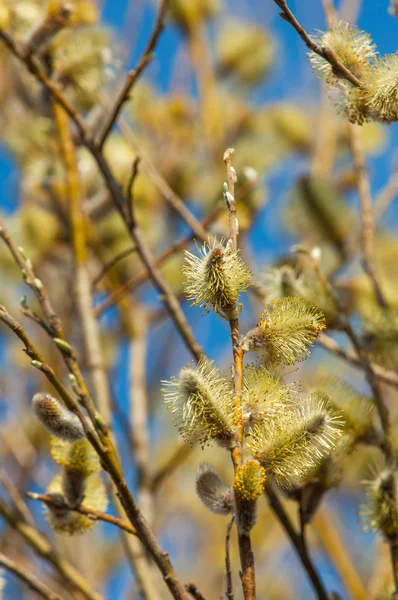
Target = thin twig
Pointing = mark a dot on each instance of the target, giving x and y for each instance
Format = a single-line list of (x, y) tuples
[(94, 515), (373, 382), (296, 540), (352, 359), (15, 496), (116, 194), (180, 454), (228, 573), (111, 465), (41, 546), (164, 188), (133, 75), (112, 263), (141, 277), (386, 196), (367, 226), (325, 53), (139, 418), (244, 541), (193, 591), (29, 578)]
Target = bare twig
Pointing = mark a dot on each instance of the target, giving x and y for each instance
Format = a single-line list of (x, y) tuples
[(296, 540), (111, 264), (15, 496), (27, 577), (133, 75), (373, 382), (367, 232), (41, 546), (386, 196), (116, 194), (139, 411), (352, 359), (133, 283), (110, 463), (229, 594), (164, 188), (193, 591), (94, 515), (182, 451)]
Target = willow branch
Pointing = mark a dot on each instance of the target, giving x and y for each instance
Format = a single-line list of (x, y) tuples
[(367, 220), (323, 52), (112, 263), (352, 359), (94, 515), (132, 77), (53, 323), (298, 545), (116, 194), (141, 277), (173, 199), (110, 463), (229, 594), (244, 541), (41, 546), (27, 577), (179, 455)]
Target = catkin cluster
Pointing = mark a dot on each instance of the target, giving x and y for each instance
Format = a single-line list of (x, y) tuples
[(376, 95), (79, 480), (287, 433)]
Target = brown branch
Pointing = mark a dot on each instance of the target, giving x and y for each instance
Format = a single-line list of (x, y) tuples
[(139, 279), (298, 545), (367, 226), (352, 359), (110, 463), (111, 264), (173, 199), (117, 196), (42, 547), (132, 77), (27, 577), (323, 52), (94, 515), (229, 594), (15, 496), (193, 591), (244, 541), (373, 383), (386, 196), (53, 322), (42, 34)]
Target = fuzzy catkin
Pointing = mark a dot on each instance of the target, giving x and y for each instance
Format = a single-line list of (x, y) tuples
[(212, 490), (57, 419)]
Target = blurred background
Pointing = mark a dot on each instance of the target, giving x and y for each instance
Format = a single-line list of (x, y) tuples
[(227, 73)]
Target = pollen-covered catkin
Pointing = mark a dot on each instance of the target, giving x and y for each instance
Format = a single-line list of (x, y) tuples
[(202, 403), (248, 486), (287, 327), (216, 277)]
